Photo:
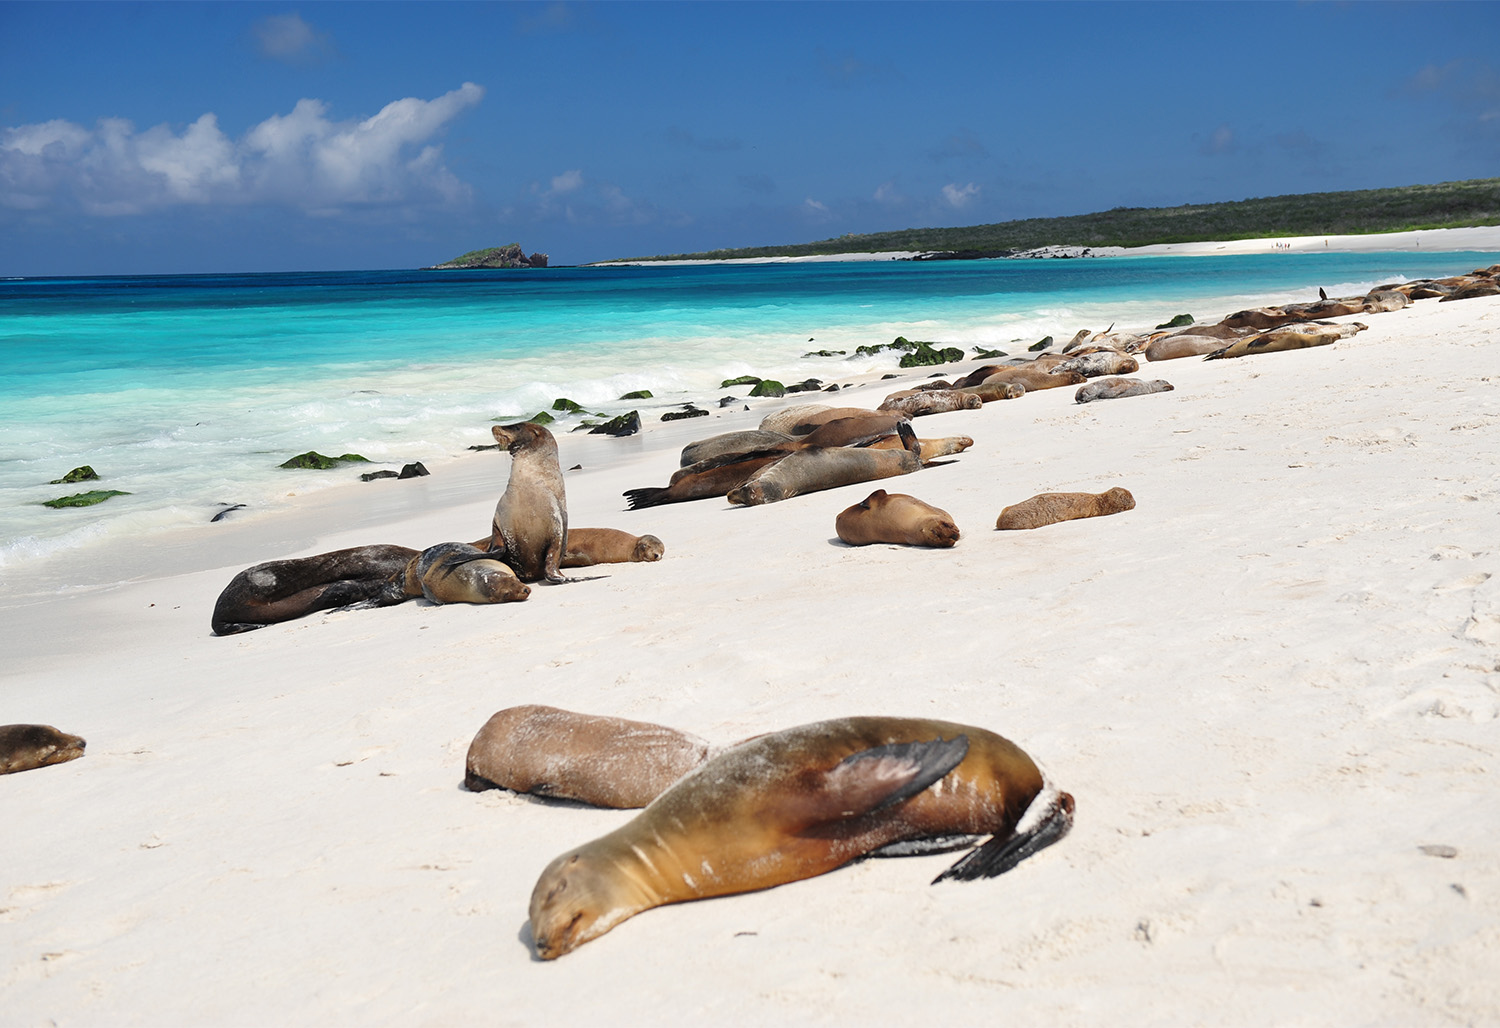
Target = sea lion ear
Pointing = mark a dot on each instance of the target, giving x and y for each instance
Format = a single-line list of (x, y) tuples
[(882, 776)]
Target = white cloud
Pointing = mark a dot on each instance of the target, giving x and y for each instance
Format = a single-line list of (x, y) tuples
[(289, 39), (959, 196), (887, 193), (299, 159), (815, 206), (567, 182)]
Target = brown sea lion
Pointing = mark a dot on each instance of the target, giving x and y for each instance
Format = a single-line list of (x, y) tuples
[(462, 573), (884, 517), (731, 442), (589, 546), (784, 419), (715, 476), (818, 468), (23, 747), (530, 529), (1050, 508), (1289, 337), (807, 422), (1173, 347), (1099, 362), (1471, 290), (605, 761), (1033, 378), (280, 590), (999, 389), (927, 449), (799, 803), (1115, 388), (936, 401)]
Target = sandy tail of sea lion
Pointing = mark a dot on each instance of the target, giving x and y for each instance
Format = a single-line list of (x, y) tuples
[(1047, 819)]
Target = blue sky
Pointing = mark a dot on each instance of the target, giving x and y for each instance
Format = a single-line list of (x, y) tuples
[(172, 137)]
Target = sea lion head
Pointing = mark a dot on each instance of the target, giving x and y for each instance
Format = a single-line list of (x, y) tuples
[(23, 747), (580, 896), (648, 548), (524, 436)]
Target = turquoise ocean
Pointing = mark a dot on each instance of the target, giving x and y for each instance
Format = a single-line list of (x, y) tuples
[(187, 392)]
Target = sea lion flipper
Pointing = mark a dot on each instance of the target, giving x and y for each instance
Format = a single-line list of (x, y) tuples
[(881, 776), (929, 845), (1038, 829)]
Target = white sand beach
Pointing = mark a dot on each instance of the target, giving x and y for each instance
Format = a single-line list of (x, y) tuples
[(1267, 686)]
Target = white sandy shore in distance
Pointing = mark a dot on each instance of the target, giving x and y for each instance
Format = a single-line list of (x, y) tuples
[(1268, 686)]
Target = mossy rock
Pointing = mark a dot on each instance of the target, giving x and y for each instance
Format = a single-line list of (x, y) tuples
[(982, 354), (809, 385), (83, 499), (1181, 321), (625, 424), (541, 417), (690, 412), (1045, 342), (565, 405), (312, 460), (824, 353), (766, 387), (743, 380), (83, 474), (903, 343), (925, 354), (639, 394)]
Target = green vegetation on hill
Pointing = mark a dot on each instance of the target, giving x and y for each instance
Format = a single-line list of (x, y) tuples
[(1356, 212)]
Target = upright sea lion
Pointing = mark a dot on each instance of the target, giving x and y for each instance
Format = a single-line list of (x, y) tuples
[(1115, 388), (530, 529), (605, 761), (798, 803), (461, 573), (23, 747), (1050, 508), (280, 590), (884, 517), (590, 546), (818, 468)]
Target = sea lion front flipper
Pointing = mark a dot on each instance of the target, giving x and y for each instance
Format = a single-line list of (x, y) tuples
[(929, 845), (1047, 820), (881, 776)]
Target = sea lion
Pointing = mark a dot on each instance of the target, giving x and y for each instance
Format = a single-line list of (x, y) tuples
[(280, 590), (23, 747), (782, 420), (936, 401), (1289, 337), (604, 761), (530, 529), (1099, 362), (461, 573), (731, 442), (999, 389), (1033, 378), (808, 420), (1479, 287), (715, 476), (1172, 347), (884, 517), (927, 449), (1050, 508), (589, 546), (1115, 388), (799, 803), (818, 468)]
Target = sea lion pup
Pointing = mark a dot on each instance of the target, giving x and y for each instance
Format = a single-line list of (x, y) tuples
[(280, 590), (820, 467), (1099, 362), (799, 803), (884, 517), (590, 546), (604, 761), (461, 573), (530, 529), (1050, 508), (24, 747), (936, 401), (1291, 337), (1115, 388)]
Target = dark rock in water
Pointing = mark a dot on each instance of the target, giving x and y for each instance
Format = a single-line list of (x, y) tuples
[(884, 377), (370, 476), (83, 474), (903, 343), (228, 509), (1046, 341), (413, 470), (84, 499), (825, 353), (743, 380), (541, 417), (924, 354), (625, 424), (982, 354), (315, 461), (639, 394), (766, 387), (567, 405), (832, 389), (1181, 321), (725, 401), (810, 385), (576, 467), (689, 412)]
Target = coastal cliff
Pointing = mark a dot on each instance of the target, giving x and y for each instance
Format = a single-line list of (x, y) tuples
[(509, 256)]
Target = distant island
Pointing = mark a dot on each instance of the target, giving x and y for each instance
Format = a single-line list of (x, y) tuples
[(509, 256), (1357, 212)]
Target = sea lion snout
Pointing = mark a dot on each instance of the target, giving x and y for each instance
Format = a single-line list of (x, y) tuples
[(571, 905)]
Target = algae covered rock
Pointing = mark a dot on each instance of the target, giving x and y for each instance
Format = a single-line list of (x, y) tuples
[(1181, 321), (767, 387), (625, 424), (688, 411), (541, 417), (83, 499), (1045, 342), (314, 461), (639, 394), (83, 474), (924, 354), (566, 406), (743, 380)]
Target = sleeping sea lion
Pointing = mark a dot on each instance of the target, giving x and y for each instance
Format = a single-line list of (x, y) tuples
[(1050, 508), (884, 517), (818, 468), (932, 401), (590, 546), (1099, 362), (798, 803), (1289, 337), (731, 442), (461, 573), (530, 529), (604, 761), (23, 747), (1115, 388), (999, 389), (1033, 378), (280, 590)]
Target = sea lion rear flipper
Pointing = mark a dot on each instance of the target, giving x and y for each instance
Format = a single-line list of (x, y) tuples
[(909, 439), (1047, 820), (881, 776), (923, 847)]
